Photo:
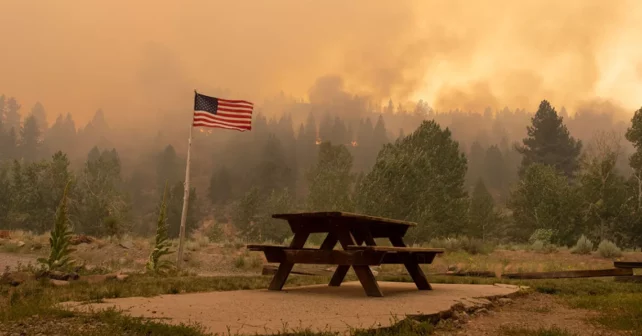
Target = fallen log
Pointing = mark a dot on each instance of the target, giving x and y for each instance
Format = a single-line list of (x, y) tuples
[(627, 264), (571, 274)]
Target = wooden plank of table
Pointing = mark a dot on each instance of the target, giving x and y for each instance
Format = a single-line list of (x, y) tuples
[(342, 270), (333, 257), (364, 274), (396, 249), (338, 214), (413, 268), (281, 276)]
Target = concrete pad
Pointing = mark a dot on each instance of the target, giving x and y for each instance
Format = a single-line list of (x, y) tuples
[(317, 307)]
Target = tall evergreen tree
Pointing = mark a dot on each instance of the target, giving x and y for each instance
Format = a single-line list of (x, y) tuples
[(483, 219), (2, 109), (634, 135), (102, 206), (220, 190), (475, 163), (544, 199), (603, 190), (30, 142), (550, 143), (12, 116), (495, 171), (38, 112), (420, 178), (169, 168), (380, 134), (175, 210), (272, 172), (330, 180)]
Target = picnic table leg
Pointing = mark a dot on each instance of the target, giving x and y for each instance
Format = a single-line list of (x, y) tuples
[(341, 270), (366, 278), (286, 267), (413, 268)]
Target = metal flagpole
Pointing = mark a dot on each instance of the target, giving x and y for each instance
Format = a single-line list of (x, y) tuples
[(181, 242)]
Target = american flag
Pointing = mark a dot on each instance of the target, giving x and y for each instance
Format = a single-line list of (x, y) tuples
[(222, 113)]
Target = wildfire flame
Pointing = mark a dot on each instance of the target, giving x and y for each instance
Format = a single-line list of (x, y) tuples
[(318, 142), (354, 143)]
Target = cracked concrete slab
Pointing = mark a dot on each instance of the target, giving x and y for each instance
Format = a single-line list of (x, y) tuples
[(317, 307)]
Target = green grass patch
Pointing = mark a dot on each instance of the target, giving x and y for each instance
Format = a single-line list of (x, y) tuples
[(618, 311)]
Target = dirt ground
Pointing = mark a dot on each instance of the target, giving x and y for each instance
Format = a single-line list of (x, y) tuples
[(318, 307), (533, 311)]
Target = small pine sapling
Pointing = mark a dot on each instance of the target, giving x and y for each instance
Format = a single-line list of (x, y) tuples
[(161, 247), (59, 241)]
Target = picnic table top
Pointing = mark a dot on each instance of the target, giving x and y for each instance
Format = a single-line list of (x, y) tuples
[(346, 215)]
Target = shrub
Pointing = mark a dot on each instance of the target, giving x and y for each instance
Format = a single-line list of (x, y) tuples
[(162, 244), (473, 245), (543, 235), (239, 262), (608, 249), (469, 245), (542, 247), (215, 232), (60, 255), (583, 246)]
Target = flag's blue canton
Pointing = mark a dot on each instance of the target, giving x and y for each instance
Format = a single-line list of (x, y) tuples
[(205, 103)]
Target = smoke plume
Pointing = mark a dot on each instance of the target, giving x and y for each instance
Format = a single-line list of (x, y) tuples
[(133, 58)]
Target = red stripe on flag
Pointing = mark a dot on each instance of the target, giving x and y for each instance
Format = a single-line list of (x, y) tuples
[(219, 125), (235, 110), (234, 101), (226, 121)]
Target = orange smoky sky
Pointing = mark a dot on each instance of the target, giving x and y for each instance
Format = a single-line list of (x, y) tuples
[(134, 58)]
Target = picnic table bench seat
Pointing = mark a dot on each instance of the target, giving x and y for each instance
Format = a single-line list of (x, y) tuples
[(352, 255)]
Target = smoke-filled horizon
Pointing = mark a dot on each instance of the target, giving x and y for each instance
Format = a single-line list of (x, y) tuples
[(134, 59)]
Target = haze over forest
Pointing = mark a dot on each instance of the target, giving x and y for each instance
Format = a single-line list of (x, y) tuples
[(112, 85)]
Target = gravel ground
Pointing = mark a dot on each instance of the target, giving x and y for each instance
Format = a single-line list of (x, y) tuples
[(12, 260)]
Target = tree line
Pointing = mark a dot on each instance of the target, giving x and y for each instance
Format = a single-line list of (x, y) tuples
[(500, 191)]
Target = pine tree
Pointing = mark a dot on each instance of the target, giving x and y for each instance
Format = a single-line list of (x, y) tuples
[(550, 143), (603, 189), (483, 219), (420, 178), (38, 112), (30, 144), (220, 190), (169, 168), (60, 255), (175, 210), (495, 171), (379, 134), (475, 163), (634, 135), (162, 243), (330, 180), (544, 199), (12, 114), (273, 172), (3, 105)]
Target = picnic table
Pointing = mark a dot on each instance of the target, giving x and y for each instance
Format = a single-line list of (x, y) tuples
[(350, 231)]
